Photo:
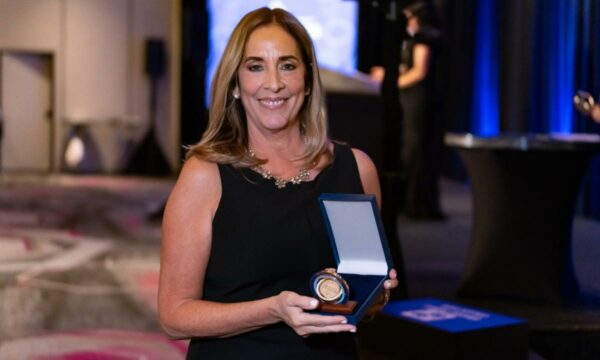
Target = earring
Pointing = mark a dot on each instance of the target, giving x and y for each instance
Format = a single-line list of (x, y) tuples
[(236, 94), (307, 92)]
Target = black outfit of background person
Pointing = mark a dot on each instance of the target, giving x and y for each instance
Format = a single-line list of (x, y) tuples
[(421, 140)]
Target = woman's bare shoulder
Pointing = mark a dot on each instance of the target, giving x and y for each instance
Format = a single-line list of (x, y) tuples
[(198, 183), (197, 170), (363, 160)]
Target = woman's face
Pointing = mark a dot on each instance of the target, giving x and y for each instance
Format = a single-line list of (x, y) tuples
[(412, 24), (271, 79)]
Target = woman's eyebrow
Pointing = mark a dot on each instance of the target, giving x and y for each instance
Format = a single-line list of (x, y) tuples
[(281, 58), (253, 58), (288, 57)]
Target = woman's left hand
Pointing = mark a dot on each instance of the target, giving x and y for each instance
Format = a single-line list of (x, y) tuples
[(388, 285), (392, 282), (383, 299)]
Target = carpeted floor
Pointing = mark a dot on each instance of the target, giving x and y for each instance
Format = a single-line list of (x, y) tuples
[(79, 268)]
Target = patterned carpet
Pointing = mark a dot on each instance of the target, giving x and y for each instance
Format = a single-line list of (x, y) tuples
[(79, 260)]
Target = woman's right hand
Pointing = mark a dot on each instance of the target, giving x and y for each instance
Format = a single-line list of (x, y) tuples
[(292, 309)]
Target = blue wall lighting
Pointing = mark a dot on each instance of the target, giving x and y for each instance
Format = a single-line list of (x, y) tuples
[(553, 83), (561, 70), (485, 111)]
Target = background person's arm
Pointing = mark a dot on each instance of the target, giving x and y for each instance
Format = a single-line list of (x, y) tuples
[(420, 68)]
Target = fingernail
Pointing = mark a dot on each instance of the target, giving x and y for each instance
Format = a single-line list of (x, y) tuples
[(344, 321), (353, 330), (314, 303)]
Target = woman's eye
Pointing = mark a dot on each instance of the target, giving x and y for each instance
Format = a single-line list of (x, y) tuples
[(255, 67), (288, 67)]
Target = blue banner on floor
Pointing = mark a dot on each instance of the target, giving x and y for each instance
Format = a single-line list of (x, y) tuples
[(447, 316)]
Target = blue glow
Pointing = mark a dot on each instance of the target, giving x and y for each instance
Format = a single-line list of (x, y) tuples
[(331, 24), (562, 68), (554, 67), (485, 110)]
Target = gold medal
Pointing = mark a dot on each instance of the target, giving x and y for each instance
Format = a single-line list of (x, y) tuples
[(329, 287), (329, 290)]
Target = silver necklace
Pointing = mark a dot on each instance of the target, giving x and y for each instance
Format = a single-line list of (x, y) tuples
[(303, 175)]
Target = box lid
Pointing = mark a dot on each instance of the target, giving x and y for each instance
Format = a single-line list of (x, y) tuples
[(356, 233)]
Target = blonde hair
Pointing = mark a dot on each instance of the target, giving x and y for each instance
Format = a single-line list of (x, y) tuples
[(226, 137)]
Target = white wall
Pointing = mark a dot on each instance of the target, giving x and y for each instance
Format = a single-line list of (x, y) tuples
[(96, 58), (98, 48), (30, 24)]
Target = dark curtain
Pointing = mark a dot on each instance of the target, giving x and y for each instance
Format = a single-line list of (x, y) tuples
[(194, 46), (516, 64), (457, 58), (588, 78)]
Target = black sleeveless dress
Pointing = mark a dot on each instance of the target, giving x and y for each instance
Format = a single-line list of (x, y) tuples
[(266, 240)]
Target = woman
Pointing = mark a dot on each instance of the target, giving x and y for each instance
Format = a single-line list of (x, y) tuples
[(242, 230), (421, 140)]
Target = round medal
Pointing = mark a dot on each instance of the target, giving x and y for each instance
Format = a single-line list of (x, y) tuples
[(329, 287)]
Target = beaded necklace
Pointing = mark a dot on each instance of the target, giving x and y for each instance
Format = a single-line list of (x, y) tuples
[(303, 175)]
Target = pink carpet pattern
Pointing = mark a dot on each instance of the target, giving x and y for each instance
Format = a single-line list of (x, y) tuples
[(94, 345), (79, 262)]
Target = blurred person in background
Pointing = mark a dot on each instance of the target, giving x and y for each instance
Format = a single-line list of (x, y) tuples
[(419, 99)]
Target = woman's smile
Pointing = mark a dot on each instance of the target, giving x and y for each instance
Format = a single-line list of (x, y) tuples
[(272, 103)]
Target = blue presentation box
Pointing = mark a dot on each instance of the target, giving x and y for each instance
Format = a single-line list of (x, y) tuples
[(430, 328), (359, 245)]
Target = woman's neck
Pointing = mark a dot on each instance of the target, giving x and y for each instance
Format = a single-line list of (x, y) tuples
[(282, 151), (287, 143)]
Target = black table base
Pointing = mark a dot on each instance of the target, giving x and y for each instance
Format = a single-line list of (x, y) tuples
[(523, 213)]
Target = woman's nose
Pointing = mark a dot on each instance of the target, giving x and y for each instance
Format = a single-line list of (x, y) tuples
[(273, 81)]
